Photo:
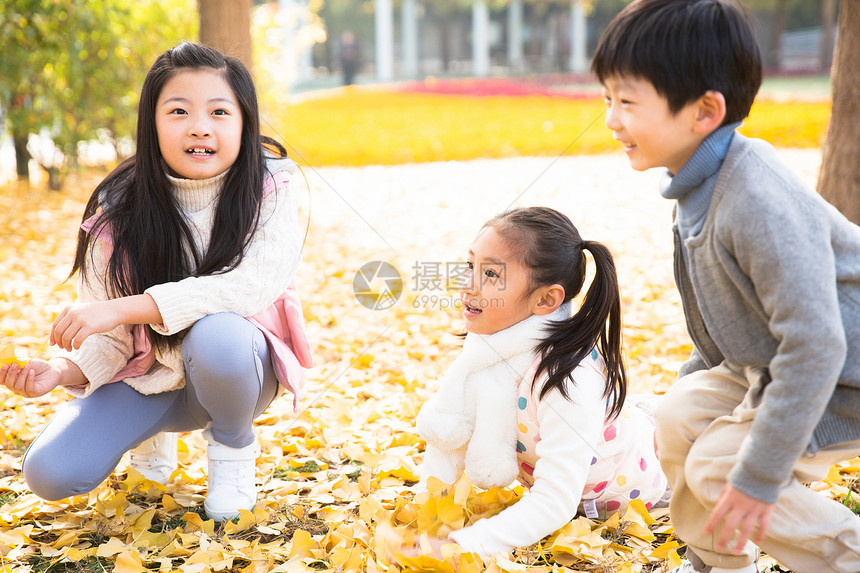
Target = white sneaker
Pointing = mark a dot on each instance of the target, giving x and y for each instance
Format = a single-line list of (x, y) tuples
[(687, 567), (156, 457), (231, 479)]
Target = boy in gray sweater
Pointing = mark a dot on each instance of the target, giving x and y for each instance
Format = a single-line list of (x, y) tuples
[(769, 276)]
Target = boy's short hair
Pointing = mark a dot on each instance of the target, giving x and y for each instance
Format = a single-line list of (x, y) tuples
[(685, 48)]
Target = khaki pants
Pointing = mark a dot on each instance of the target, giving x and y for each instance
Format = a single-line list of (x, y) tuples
[(701, 424)]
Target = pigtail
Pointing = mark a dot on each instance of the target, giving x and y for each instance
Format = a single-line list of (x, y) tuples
[(554, 252), (597, 324)]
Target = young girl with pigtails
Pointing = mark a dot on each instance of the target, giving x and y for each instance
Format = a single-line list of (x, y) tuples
[(186, 317), (538, 392)]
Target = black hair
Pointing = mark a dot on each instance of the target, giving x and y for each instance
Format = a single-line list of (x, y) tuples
[(685, 48), (551, 248), (138, 210)]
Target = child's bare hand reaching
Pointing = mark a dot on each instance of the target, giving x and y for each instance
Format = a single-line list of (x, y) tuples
[(36, 378), (738, 512), (78, 321), (429, 546)]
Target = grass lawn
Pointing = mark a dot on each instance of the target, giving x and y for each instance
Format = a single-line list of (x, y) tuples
[(432, 121)]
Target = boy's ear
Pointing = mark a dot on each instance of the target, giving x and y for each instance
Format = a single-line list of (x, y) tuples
[(711, 111), (548, 299)]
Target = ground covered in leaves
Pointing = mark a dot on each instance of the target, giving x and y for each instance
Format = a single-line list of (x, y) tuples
[(334, 481)]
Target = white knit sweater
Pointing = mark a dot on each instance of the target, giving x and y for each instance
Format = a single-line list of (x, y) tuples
[(267, 269)]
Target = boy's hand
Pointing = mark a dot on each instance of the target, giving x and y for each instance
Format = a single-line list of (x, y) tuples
[(738, 512)]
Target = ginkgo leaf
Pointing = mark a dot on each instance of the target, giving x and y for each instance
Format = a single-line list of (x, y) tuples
[(128, 562), (834, 476), (462, 489), (423, 563), (673, 560), (303, 544), (173, 549), (662, 551), (113, 547), (8, 356), (246, 521), (449, 513), (638, 513), (74, 554)]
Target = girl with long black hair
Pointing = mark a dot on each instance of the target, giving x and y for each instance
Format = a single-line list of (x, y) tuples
[(185, 318)]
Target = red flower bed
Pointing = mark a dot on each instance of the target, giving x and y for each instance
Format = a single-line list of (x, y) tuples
[(498, 87)]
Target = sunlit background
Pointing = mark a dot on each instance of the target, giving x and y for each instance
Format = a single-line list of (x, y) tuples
[(457, 109), (434, 80)]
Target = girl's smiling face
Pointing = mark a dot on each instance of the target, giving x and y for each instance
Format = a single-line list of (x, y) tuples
[(498, 293), (199, 124)]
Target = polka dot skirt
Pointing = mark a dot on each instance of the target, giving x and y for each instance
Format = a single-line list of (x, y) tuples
[(624, 466)]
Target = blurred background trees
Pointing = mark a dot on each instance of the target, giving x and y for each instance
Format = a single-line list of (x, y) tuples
[(71, 70), (226, 26)]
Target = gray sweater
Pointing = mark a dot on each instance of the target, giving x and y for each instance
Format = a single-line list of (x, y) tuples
[(773, 280)]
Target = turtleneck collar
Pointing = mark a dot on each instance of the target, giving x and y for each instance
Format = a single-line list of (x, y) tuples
[(705, 162), (193, 195)]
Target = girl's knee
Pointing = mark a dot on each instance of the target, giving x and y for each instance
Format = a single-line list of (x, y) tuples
[(216, 332), (51, 479), (222, 346)]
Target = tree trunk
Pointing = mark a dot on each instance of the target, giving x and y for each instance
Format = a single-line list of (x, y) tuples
[(537, 33), (774, 54), (828, 16), (445, 38), (839, 179), (22, 156), (55, 178), (226, 26)]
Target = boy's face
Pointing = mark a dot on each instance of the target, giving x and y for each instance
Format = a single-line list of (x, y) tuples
[(641, 121)]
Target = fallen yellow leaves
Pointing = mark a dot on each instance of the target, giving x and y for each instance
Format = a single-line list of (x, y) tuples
[(622, 543), (334, 482)]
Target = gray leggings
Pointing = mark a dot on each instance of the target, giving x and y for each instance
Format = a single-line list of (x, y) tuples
[(229, 382)]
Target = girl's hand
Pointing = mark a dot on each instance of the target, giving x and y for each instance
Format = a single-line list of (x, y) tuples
[(36, 378), (433, 548), (77, 321)]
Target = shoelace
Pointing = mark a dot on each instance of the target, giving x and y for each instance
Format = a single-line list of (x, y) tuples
[(230, 472), (145, 460)]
